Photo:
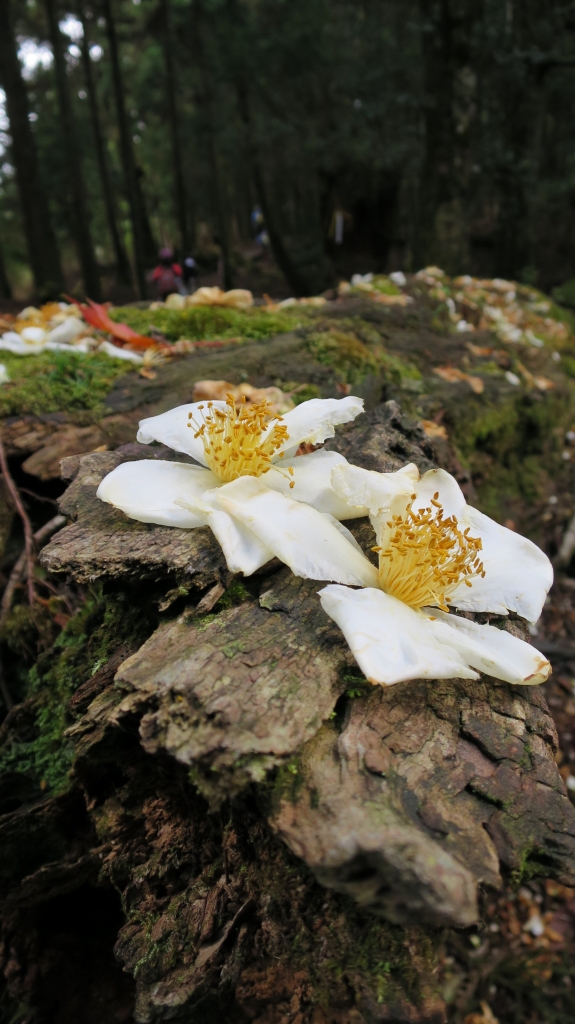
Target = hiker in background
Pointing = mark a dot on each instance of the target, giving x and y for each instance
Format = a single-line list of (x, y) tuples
[(167, 276), (190, 274)]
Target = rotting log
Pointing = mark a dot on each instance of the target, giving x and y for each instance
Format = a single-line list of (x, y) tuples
[(277, 829)]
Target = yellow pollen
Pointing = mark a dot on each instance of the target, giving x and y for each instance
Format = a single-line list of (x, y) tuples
[(234, 442), (427, 556)]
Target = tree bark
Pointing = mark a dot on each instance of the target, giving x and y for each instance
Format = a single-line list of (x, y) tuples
[(122, 263), (40, 238), (410, 799), (144, 247), (81, 220), (179, 188)]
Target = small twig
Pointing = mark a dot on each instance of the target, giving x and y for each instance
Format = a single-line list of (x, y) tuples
[(38, 497), (22, 565), (14, 581), (28, 531)]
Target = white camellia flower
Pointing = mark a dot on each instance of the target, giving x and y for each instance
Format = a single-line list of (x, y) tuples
[(259, 499), (434, 551)]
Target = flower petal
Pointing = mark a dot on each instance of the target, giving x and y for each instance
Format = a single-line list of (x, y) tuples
[(303, 538), (517, 573), (171, 428), (243, 551), (114, 351), (316, 420), (146, 490), (493, 651), (390, 641), (450, 494), (367, 489), (311, 476)]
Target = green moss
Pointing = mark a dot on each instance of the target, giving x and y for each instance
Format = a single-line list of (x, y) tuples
[(211, 321), (87, 641), (236, 594), (55, 381), (349, 357), (512, 444)]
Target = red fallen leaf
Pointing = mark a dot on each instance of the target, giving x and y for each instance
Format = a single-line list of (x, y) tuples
[(96, 315)]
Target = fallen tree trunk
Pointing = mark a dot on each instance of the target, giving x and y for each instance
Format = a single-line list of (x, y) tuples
[(285, 839)]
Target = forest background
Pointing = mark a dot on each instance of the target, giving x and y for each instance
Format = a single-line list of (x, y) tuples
[(440, 131)]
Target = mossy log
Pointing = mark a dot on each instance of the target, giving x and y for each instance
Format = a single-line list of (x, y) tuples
[(286, 839)]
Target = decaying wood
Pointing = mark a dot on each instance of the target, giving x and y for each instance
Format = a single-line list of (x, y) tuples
[(238, 758), (103, 542)]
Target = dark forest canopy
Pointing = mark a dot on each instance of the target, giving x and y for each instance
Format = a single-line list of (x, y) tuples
[(442, 131)]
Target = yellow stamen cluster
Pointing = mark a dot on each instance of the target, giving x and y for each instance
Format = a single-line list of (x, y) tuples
[(427, 556), (234, 442)]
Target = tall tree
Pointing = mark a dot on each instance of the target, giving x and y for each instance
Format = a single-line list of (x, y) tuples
[(5, 289), (179, 189), (122, 263), (144, 248), (40, 238), (205, 102), (81, 220)]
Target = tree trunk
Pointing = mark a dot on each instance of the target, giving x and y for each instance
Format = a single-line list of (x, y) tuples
[(5, 288), (294, 278), (122, 263), (144, 248), (40, 238), (81, 220), (179, 189), (441, 230), (206, 104)]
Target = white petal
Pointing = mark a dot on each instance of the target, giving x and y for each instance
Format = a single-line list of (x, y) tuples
[(390, 641), (115, 352), (311, 477), (34, 335), (243, 550), (493, 651), (450, 494), (316, 420), (171, 428), (517, 573), (370, 490), (146, 490), (70, 329), (303, 538), (12, 342)]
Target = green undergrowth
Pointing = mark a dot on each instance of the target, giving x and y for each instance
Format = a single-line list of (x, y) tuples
[(88, 639), (57, 381), (211, 322)]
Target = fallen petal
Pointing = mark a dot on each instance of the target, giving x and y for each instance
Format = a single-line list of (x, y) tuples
[(146, 490), (303, 538)]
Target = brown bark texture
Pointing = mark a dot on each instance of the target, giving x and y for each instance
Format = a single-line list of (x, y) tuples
[(284, 837)]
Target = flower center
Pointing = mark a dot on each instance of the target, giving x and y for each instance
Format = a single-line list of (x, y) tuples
[(234, 441), (426, 556)]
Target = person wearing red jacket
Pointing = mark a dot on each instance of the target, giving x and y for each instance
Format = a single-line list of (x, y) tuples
[(167, 276)]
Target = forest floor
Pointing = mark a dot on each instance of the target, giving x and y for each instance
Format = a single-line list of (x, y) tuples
[(498, 411)]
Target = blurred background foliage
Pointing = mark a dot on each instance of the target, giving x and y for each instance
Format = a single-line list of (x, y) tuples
[(373, 136)]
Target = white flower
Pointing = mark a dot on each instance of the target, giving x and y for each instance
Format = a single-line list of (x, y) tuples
[(258, 498), (434, 551)]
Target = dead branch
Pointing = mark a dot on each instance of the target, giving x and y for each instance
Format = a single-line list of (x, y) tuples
[(28, 531), (22, 567)]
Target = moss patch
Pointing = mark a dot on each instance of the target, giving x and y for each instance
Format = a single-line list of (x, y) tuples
[(87, 641), (211, 322), (55, 381)]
